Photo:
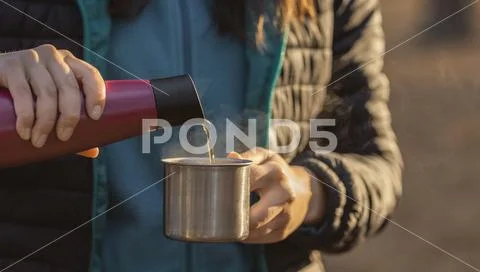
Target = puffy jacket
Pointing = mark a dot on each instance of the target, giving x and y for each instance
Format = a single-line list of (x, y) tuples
[(329, 67), (333, 70), (42, 201)]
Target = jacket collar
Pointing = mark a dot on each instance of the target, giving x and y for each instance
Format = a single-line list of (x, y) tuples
[(263, 69), (96, 31)]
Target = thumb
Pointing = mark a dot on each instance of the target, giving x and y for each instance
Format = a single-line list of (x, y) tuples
[(234, 155)]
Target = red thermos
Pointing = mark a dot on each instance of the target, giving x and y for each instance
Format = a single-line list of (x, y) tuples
[(173, 99)]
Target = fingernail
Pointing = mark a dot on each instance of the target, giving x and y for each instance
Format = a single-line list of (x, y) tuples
[(40, 140), (96, 112), (25, 133), (65, 133), (234, 155)]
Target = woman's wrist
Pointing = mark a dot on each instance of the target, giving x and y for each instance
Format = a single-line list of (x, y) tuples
[(317, 204)]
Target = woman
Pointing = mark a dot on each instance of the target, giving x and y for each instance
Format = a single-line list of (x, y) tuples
[(295, 60)]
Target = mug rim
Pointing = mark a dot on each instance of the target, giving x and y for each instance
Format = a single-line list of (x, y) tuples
[(205, 162)]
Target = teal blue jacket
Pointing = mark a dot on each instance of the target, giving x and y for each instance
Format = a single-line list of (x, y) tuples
[(263, 71)]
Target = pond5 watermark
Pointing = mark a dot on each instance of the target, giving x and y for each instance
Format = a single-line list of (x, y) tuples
[(320, 139)]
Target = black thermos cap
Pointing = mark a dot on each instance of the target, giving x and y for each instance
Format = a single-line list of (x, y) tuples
[(176, 99)]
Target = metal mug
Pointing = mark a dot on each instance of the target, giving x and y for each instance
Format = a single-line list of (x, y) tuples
[(207, 202)]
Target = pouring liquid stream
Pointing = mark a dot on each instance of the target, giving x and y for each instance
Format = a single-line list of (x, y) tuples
[(211, 155)]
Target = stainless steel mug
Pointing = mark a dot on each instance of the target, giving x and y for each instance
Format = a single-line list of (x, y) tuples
[(207, 202)]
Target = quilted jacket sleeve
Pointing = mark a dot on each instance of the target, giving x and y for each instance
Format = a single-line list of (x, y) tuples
[(362, 176)]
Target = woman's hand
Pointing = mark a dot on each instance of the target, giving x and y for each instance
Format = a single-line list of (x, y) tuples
[(288, 197), (45, 86)]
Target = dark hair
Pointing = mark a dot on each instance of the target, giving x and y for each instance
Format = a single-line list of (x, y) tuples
[(229, 15)]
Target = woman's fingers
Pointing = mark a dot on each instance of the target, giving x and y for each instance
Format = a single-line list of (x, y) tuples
[(68, 92), (258, 155), (273, 231), (92, 83), (269, 174), (69, 96), (13, 76), (284, 198), (262, 213), (271, 203), (45, 91), (234, 155), (276, 193)]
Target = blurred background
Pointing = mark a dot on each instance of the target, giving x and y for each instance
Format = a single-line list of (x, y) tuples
[(435, 102)]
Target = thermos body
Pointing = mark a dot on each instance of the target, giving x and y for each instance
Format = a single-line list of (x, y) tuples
[(127, 103)]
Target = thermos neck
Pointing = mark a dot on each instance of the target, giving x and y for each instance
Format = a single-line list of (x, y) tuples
[(176, 99)]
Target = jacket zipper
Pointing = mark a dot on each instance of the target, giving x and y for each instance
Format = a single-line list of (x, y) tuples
[(187, 62)]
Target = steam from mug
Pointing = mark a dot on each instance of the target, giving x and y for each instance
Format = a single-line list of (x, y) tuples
[(128, 102)]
